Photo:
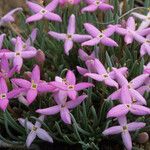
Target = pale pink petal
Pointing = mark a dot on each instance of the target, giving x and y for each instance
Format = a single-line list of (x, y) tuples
[(95, 76), (71, 24), (31, 95), (52, 17), (72, 94), (52, 5), (49, 111), (58, 36), (90, 8), (65, 115), (118, 111), (92, 30), (35, 76), (35, 17), (136, 126), (43, 135), (68, 45), (78, 101), (81, 38), (112, 130), (70, 77), (91, 42), (30, 138), (127, 140), (83, 85), (34, 7), (104, 6)]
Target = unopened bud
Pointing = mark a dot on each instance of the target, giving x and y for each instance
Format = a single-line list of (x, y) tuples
[(40, 57), (143, 137)]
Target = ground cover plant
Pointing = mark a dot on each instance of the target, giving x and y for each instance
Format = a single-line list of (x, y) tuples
[(76, 74)]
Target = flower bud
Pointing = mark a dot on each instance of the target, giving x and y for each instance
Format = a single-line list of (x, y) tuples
[(143, 137), (40, 57)]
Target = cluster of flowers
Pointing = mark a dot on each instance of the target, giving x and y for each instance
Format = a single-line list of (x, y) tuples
[(65, 91)]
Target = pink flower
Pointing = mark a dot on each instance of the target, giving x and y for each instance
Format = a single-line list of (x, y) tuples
[(19, 53), (93, 5), (35, 130), (69, 86), (132, 86), (124, 129), (128, 105), (63, 106), (98, 36), (43, 12), (27, 45), (33, 87), (70, 36), (102, 74)]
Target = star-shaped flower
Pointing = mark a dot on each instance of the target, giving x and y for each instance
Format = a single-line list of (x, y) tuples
[(128, 105), (33, 87), (63, 106), (27, 45), (70, 36), (8, 18), (98, 36), (145, 20), (132, 86), (19, 54), (69, 86), (35, 130), (130, 33), (102, 74), (43, 12), (93, 5), (124, 129)]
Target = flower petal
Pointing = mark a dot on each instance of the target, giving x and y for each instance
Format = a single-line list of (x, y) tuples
[(35, 76), (118, 111), (35, 17), (71, 24), (49, 111), (112, 130), (83, 85), (136, 126), (30, 138), (43, 135), (31, 95), (65, 115)]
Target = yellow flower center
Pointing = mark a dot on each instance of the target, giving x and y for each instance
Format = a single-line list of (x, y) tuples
[(34, 85)]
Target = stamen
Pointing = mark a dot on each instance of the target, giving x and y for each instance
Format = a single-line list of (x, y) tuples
[(34, 128), (43, 11), (2, 96), (105, 75), (71, 87), (69, 36), (34, 85), (18, 53), (125, 128)]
